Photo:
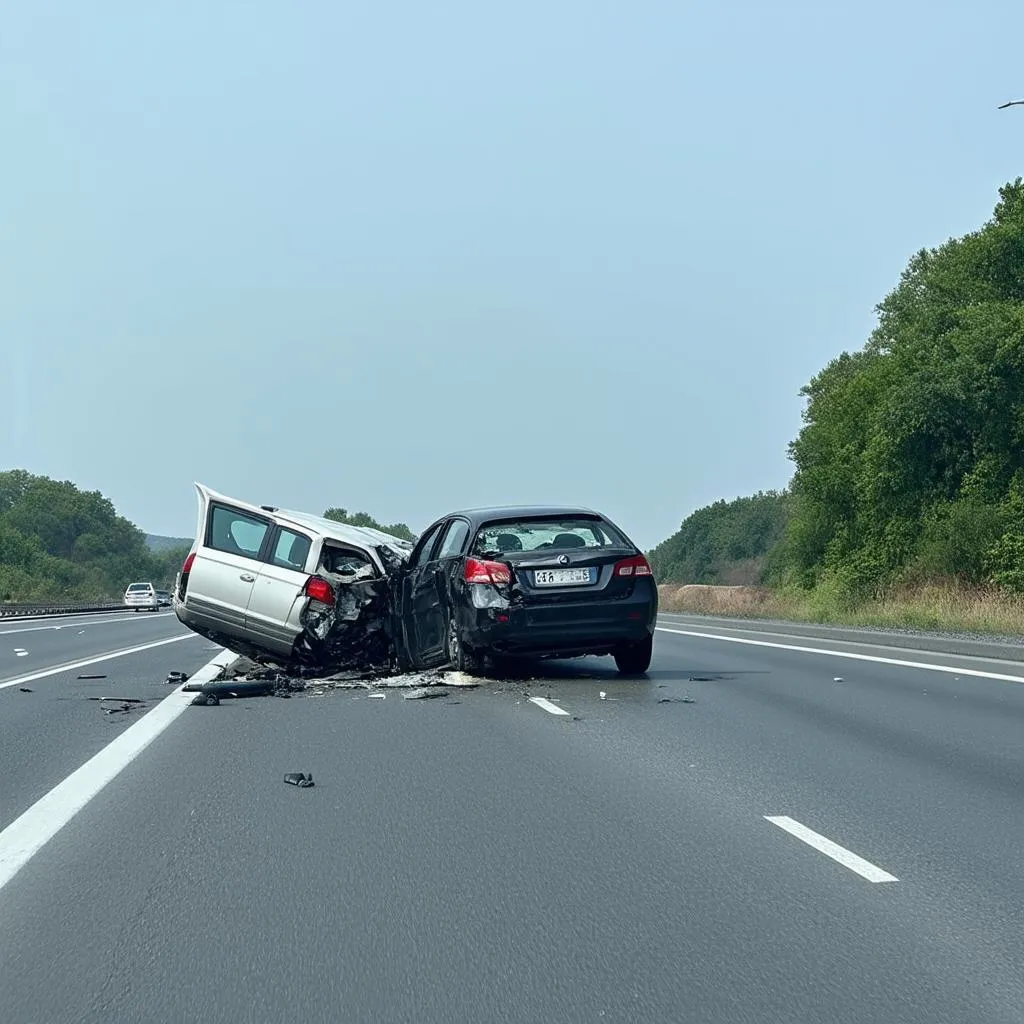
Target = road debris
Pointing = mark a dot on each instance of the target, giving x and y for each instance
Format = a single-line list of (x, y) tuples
[(25, 689), (124, 704), (425, 693), (676, 700), (837, 679), (303, 781), (20, 652), (92, 677), (701, 679), (176, 678)]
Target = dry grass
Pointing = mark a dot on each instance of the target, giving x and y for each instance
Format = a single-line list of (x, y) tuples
[(942, 607)]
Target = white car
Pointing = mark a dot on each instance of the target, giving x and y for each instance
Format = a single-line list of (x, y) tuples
[(141, 596), (287, 587)]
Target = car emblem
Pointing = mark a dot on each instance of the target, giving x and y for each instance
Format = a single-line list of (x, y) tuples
[(563, 559)]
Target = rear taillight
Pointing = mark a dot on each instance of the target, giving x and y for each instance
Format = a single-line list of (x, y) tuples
[(183, 578), (487, 572), (319, 590), (635, 566)]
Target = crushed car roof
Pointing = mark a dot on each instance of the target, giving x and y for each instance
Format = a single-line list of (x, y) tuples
[(357, 535)]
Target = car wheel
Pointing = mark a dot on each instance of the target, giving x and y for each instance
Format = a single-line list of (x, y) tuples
[(463, 658), (635, 659)]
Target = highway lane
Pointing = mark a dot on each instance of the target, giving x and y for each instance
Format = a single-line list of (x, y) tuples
[(488, 860), (46, 733), (28, 646)]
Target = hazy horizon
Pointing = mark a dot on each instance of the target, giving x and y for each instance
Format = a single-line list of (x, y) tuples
[(404, 260)]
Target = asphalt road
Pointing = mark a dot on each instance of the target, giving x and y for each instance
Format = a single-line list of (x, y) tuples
[(481, 858)]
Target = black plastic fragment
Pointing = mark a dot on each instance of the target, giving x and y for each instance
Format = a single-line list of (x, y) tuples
[(177, 677), (677, 700), (25, 689), (702, 679), (304, 781), (93, 677), (119, 700), (203, 699)]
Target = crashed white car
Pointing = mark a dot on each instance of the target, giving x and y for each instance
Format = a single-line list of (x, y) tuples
[(288, 587)]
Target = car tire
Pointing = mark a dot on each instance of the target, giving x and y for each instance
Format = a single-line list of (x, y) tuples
[(635, 659), (463, 658)]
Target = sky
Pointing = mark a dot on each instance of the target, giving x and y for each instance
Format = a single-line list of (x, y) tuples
[(407, 257)]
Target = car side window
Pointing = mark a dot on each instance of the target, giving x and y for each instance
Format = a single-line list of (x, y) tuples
[(235, 532), (422, 552), (291, 550), (454, 539)]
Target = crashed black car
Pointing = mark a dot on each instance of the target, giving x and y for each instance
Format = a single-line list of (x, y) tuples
[(538, 582), (303, 592)]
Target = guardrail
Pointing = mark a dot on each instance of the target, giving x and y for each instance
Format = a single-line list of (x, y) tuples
[(21, 611)]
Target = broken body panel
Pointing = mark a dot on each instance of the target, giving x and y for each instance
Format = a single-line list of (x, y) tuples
[(288, 588)]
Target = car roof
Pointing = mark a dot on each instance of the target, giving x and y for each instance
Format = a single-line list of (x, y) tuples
[(358, 536), (482, 515)]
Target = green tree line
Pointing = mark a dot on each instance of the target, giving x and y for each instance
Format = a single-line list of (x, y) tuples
[(909, 466), (58, 542)]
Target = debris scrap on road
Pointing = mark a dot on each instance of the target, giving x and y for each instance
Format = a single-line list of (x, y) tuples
[(303, 781)]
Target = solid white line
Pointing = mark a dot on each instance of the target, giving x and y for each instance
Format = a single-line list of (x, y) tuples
[(95, 660), (69, 623), (543, 702), (838, 853), (27, 834), (952, 670), (862, 643)]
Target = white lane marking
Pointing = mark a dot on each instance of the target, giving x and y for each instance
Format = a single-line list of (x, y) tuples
[(95, 660), (838, 853), (85, 622), (860, 643), (902, 663), (27, 834), (543, 702)]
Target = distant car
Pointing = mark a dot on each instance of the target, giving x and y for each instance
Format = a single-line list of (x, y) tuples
[(288, 587), (142, 596), (164, 597), (542, 582)]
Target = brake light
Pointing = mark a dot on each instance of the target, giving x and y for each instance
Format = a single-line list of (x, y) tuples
[(487, 572), (183, 579), (635, 566), (319, 590)]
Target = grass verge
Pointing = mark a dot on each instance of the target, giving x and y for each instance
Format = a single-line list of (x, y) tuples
[(936, 607)]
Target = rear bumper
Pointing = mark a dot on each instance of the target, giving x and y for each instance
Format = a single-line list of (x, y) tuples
[(562, 629)]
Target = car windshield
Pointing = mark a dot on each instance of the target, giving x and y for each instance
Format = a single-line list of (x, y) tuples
[(546, 534)]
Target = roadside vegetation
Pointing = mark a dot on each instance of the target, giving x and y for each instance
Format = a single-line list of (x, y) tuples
[(58, 542), (61, 543), (906, 507)]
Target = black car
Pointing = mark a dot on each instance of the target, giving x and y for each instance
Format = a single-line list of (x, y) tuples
[(537, 582)]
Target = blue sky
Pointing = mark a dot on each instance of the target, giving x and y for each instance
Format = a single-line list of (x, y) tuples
[(406, 257)]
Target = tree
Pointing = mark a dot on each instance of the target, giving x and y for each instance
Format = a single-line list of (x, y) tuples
[(909, 448), (726, 542)]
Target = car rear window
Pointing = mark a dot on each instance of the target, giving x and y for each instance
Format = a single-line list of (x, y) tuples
[(234, 532), (136, 587), (546, 535)]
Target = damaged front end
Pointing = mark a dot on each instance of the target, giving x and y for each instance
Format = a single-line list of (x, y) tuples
[(350, 619)]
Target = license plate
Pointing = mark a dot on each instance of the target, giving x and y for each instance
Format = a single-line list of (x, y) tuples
[(560, 577)]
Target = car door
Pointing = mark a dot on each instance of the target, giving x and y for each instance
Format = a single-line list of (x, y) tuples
[(415, 595), (430, 594), (225, 565), (277, 596)]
